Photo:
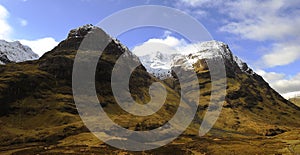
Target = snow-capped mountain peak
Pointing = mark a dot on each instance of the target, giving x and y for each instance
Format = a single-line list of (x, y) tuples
[(160, 64), (15, 52)]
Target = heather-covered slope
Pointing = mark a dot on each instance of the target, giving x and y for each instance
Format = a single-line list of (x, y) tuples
[(251, 105), (36, 97), (38, 114)]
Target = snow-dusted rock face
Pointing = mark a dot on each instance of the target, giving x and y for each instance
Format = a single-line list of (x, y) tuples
[(211, 50), (126, 52), (15, 52), (160, 64), (81, 31)]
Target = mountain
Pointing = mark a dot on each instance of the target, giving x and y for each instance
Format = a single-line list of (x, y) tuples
[(38, 114), (37, 105), (160, 64), (295, 100), (15, 52)]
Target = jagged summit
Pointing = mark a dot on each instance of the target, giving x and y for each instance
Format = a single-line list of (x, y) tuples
[(81, 31), (75, 37), (15, 52), (214, 50), (160, 64)]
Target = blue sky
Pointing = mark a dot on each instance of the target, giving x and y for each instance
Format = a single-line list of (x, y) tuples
[(264, 33)]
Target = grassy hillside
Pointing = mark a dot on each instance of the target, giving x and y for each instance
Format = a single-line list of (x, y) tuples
[(295, 101), (38, 114)]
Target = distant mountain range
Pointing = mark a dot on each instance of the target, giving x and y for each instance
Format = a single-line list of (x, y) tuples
[(15, 52), (38, 114)]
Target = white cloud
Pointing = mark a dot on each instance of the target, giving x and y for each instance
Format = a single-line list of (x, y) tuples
[(270, 76), (23, 22), (276, 21), (291, 95), (169, 41), (260, 20), (40, 46), (256, 20), (201, 13), (284, 86), (165, 45), (267, 20), (5, 29), (201, 3), (281, 83), (193, 2), (167, 33), (281, 54)]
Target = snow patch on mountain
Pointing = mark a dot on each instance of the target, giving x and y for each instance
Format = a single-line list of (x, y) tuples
[(160, 64), (15, 52), (81, 31)]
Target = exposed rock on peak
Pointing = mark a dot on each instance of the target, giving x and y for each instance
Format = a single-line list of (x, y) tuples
[(215, 50), (160, 64), (59, 61), (15, 52), (81, 31)]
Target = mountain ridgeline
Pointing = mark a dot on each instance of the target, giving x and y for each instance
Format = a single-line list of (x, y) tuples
[(15, 52), (38, 113)]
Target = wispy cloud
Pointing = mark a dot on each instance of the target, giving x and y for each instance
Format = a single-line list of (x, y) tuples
[(281, 54), (5, 28), (167, 44), (257, 20), (40, 46), (23, 22), (274, 21), (201, 3), (281, 82)]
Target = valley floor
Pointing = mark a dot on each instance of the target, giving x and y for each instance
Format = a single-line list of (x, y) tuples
[(85, 143)]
